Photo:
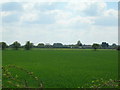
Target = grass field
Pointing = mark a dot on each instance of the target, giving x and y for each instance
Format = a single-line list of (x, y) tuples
[(64, 68)]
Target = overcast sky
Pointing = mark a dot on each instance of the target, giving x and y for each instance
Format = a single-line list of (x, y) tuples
[(64, 22)]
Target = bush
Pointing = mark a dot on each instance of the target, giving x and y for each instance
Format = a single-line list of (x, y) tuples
[(14, 81), (101, 83)]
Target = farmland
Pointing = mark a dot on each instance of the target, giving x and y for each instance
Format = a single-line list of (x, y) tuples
[(64, 68)]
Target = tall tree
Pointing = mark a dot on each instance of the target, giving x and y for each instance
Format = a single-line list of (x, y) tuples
[(4, 45), (95, 46), (28, 45), (79, 43), (16, 45)]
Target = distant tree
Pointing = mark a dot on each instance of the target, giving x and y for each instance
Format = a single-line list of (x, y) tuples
[(4, 45), (95, 46), (57, 45), (104, 45), (114, 46), (40, 45), (79, 43), (48, 45), (16, 45), (28, 45)]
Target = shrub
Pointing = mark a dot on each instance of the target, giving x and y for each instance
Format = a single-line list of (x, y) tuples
[(13, 81), (101, 83)]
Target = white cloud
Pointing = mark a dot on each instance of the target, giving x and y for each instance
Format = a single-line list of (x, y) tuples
[(28, 6), (108, 18), (111, 12), (87, 8), (75, 23), (49, 34), (29, 17), (4, 13), (67, 25)]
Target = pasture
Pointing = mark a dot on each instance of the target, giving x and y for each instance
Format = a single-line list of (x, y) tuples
[(64, 68)]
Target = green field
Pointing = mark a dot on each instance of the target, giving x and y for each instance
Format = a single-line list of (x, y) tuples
[(64, 68)]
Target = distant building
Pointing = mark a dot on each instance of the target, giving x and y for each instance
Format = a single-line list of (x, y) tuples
[(57, 45), (87, 46)]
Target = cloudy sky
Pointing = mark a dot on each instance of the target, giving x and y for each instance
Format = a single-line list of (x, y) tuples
[(65, 22)]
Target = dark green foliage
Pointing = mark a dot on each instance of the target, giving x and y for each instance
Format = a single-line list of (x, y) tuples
[(57, 45), (79, 43), (4, 45), (95, 46), (114, 46), (16, 45), (104, 45), (40, 45), (28, 45)]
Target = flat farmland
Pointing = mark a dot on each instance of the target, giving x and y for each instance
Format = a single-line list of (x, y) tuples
[(64, 68)]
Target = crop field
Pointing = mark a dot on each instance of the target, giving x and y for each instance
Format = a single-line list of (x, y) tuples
[(64, 68)]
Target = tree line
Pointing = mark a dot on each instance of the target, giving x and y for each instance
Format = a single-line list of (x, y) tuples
[(16, 45)]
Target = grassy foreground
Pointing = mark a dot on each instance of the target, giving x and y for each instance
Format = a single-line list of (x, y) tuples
[(64, 68)]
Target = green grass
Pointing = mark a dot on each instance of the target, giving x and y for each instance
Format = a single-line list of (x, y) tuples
[(65, 68)]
